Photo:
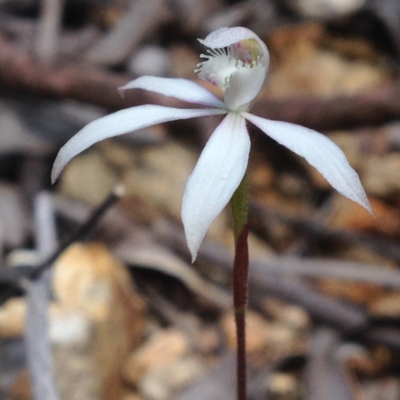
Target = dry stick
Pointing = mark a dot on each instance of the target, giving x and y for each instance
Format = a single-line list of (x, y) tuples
[(371, 107), (295, 266), (49, 29), (259, 215), (324, 375), (141, 17), (37, 339), (18, 70), (73, 81), (315, 267), (25, 272), (37, 331), (333, 312), (87, 226)]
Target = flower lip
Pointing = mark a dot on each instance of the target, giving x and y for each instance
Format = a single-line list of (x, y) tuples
[(237, 62)]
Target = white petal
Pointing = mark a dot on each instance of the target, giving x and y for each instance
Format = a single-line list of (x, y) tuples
[(118, 123), (224, 37), (182, 89), (320, 152), (217, 175)]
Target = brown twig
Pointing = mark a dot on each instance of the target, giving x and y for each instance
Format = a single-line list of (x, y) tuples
[(372, 107), (344, 316), (19, 70), (82, 82)]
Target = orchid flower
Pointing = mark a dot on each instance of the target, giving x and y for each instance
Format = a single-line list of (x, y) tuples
[(237, 62)]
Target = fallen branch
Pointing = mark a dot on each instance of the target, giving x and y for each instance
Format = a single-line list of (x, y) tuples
[(373, 107), (19, 70), (89, 84)]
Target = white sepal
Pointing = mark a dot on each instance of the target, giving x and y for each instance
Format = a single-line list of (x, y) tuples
[(216, 176), (321, 152), (118, 123), (225, 37), (182, 89)]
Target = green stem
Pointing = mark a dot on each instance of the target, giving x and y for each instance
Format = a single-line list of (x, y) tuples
[(239, 205)]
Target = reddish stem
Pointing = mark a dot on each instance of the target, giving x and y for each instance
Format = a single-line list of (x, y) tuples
[(240, 289)]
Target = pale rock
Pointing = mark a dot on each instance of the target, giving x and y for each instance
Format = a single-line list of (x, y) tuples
[(291, 185), (132, 396), (288, 314), (284, 340), (68, 327), (208, 340), (303, 66), (355, 154), (21, 389), (264, 340), (12, 318), (325, 8), (17, 136), (351, 291), (262, 174), (257, 331), (387, 306), (160, 349), (349, 215), (161, 382), (87, 178), (383, 388), (283, 386), (13, 216), (150, 60), (154, 176), (95, 322), (184, 61), (158, 176), (22, 257), (351, 146), (380, 175), (346, 77)]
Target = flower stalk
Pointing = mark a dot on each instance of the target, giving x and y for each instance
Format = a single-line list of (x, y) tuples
[(239, 205)]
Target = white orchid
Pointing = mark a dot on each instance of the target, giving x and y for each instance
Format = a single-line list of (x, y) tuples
[(237, 63)]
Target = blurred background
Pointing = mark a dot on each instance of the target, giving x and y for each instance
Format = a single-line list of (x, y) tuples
[(122, 313)]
